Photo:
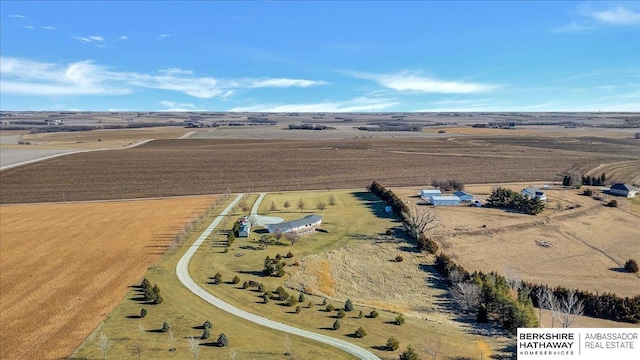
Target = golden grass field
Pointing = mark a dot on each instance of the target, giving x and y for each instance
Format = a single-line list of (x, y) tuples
[(64, 267)]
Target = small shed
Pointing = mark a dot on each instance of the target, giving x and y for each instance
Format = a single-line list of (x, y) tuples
[(464, 196), (444, 200), (625, 190)]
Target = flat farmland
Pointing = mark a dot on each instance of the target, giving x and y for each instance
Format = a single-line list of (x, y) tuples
[(205, 166), (64, 267)]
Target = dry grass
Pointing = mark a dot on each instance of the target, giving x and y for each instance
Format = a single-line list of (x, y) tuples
[(212, 166), (64, 267), (589, 244)]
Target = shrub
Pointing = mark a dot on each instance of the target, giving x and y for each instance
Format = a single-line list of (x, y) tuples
[(217, 278), (145, 284), (301, 298), (392, 344), (222, 340), (373, 314), (360, 333), (482, 316), (245, 285), (143, 313), (235, 280), (409, 354), (266, 298), (341, 314), (330, 308), (324, 302), (399, 258), (289, 255), (206, 333), (298, 309), (261, 288), (612, 203), (336, 325), (389, 232), (310, 304), (207, 324), (631, 266), (225, 250), (399, 319), (292, 300), (348, 305), (165, 327), (278, 257), (587, 192), (360, 315), (158, 300)]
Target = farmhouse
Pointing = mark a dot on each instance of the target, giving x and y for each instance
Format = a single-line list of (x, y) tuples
[(444, 200), (464, 196), (625, 190), (534, 192), (245, 227), (307, 223)]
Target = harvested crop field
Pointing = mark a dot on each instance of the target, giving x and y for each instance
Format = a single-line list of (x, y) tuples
[(64, 267), (189, 167)]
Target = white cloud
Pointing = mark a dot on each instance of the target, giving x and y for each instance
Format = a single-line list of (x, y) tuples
[(26, 77), (123, 37), (96, 38), (83, 39), (572, 27), (26, 26), (617, 16), (405, 81), (178, 107), (165, 36), (16, 16), (354, 105), (49, 28)]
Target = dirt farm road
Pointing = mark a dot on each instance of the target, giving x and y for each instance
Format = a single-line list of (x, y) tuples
[(182, 271)]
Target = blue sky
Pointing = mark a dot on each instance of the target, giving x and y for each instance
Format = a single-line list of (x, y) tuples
[(325, 56)]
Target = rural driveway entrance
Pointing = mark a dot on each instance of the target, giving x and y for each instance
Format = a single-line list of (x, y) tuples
[(182, 271)]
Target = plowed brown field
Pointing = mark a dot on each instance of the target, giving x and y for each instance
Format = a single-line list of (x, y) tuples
[(188, 167), (64, 267)]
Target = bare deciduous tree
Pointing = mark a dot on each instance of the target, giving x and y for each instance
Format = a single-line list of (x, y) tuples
[(172, 341), (432, 347), (103, 344), (541, 295), (137, 348), (286, 204), (287, 345), (194, 347), (466, 295), (233, 354), (570, 308), (301, 205), (553, 305), (273, 207), (321, 206), (332, 200), (140, 330), (292, 236), (420, 220), (278, 235)]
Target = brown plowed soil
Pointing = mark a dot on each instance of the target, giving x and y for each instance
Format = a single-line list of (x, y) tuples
[(189, 167), (64, 267)]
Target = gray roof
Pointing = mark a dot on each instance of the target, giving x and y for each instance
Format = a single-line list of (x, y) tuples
[(307, 220), (461, 193), (620, 186)]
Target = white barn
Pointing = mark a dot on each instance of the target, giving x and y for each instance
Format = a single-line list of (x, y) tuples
[(625, 190), (444, 200), (430, 192), (307, 223)]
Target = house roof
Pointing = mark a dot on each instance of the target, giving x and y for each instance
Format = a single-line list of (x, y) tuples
[(461, 193), (620, 186), (307, 220)]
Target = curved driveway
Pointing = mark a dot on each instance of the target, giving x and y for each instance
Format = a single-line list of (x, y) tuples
[(182, 271)]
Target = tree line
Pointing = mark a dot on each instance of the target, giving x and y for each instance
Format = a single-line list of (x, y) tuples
[(577, 179)]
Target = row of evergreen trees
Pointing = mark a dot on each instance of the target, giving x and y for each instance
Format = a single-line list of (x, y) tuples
[(503, 197), (571, 180), (151, 294)]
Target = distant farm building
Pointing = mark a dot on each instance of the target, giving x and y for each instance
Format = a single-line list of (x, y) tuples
[(625, 190), (307, 223), (245, 227), (444, 200), (426, 194), (534, 192), (463, 196)]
